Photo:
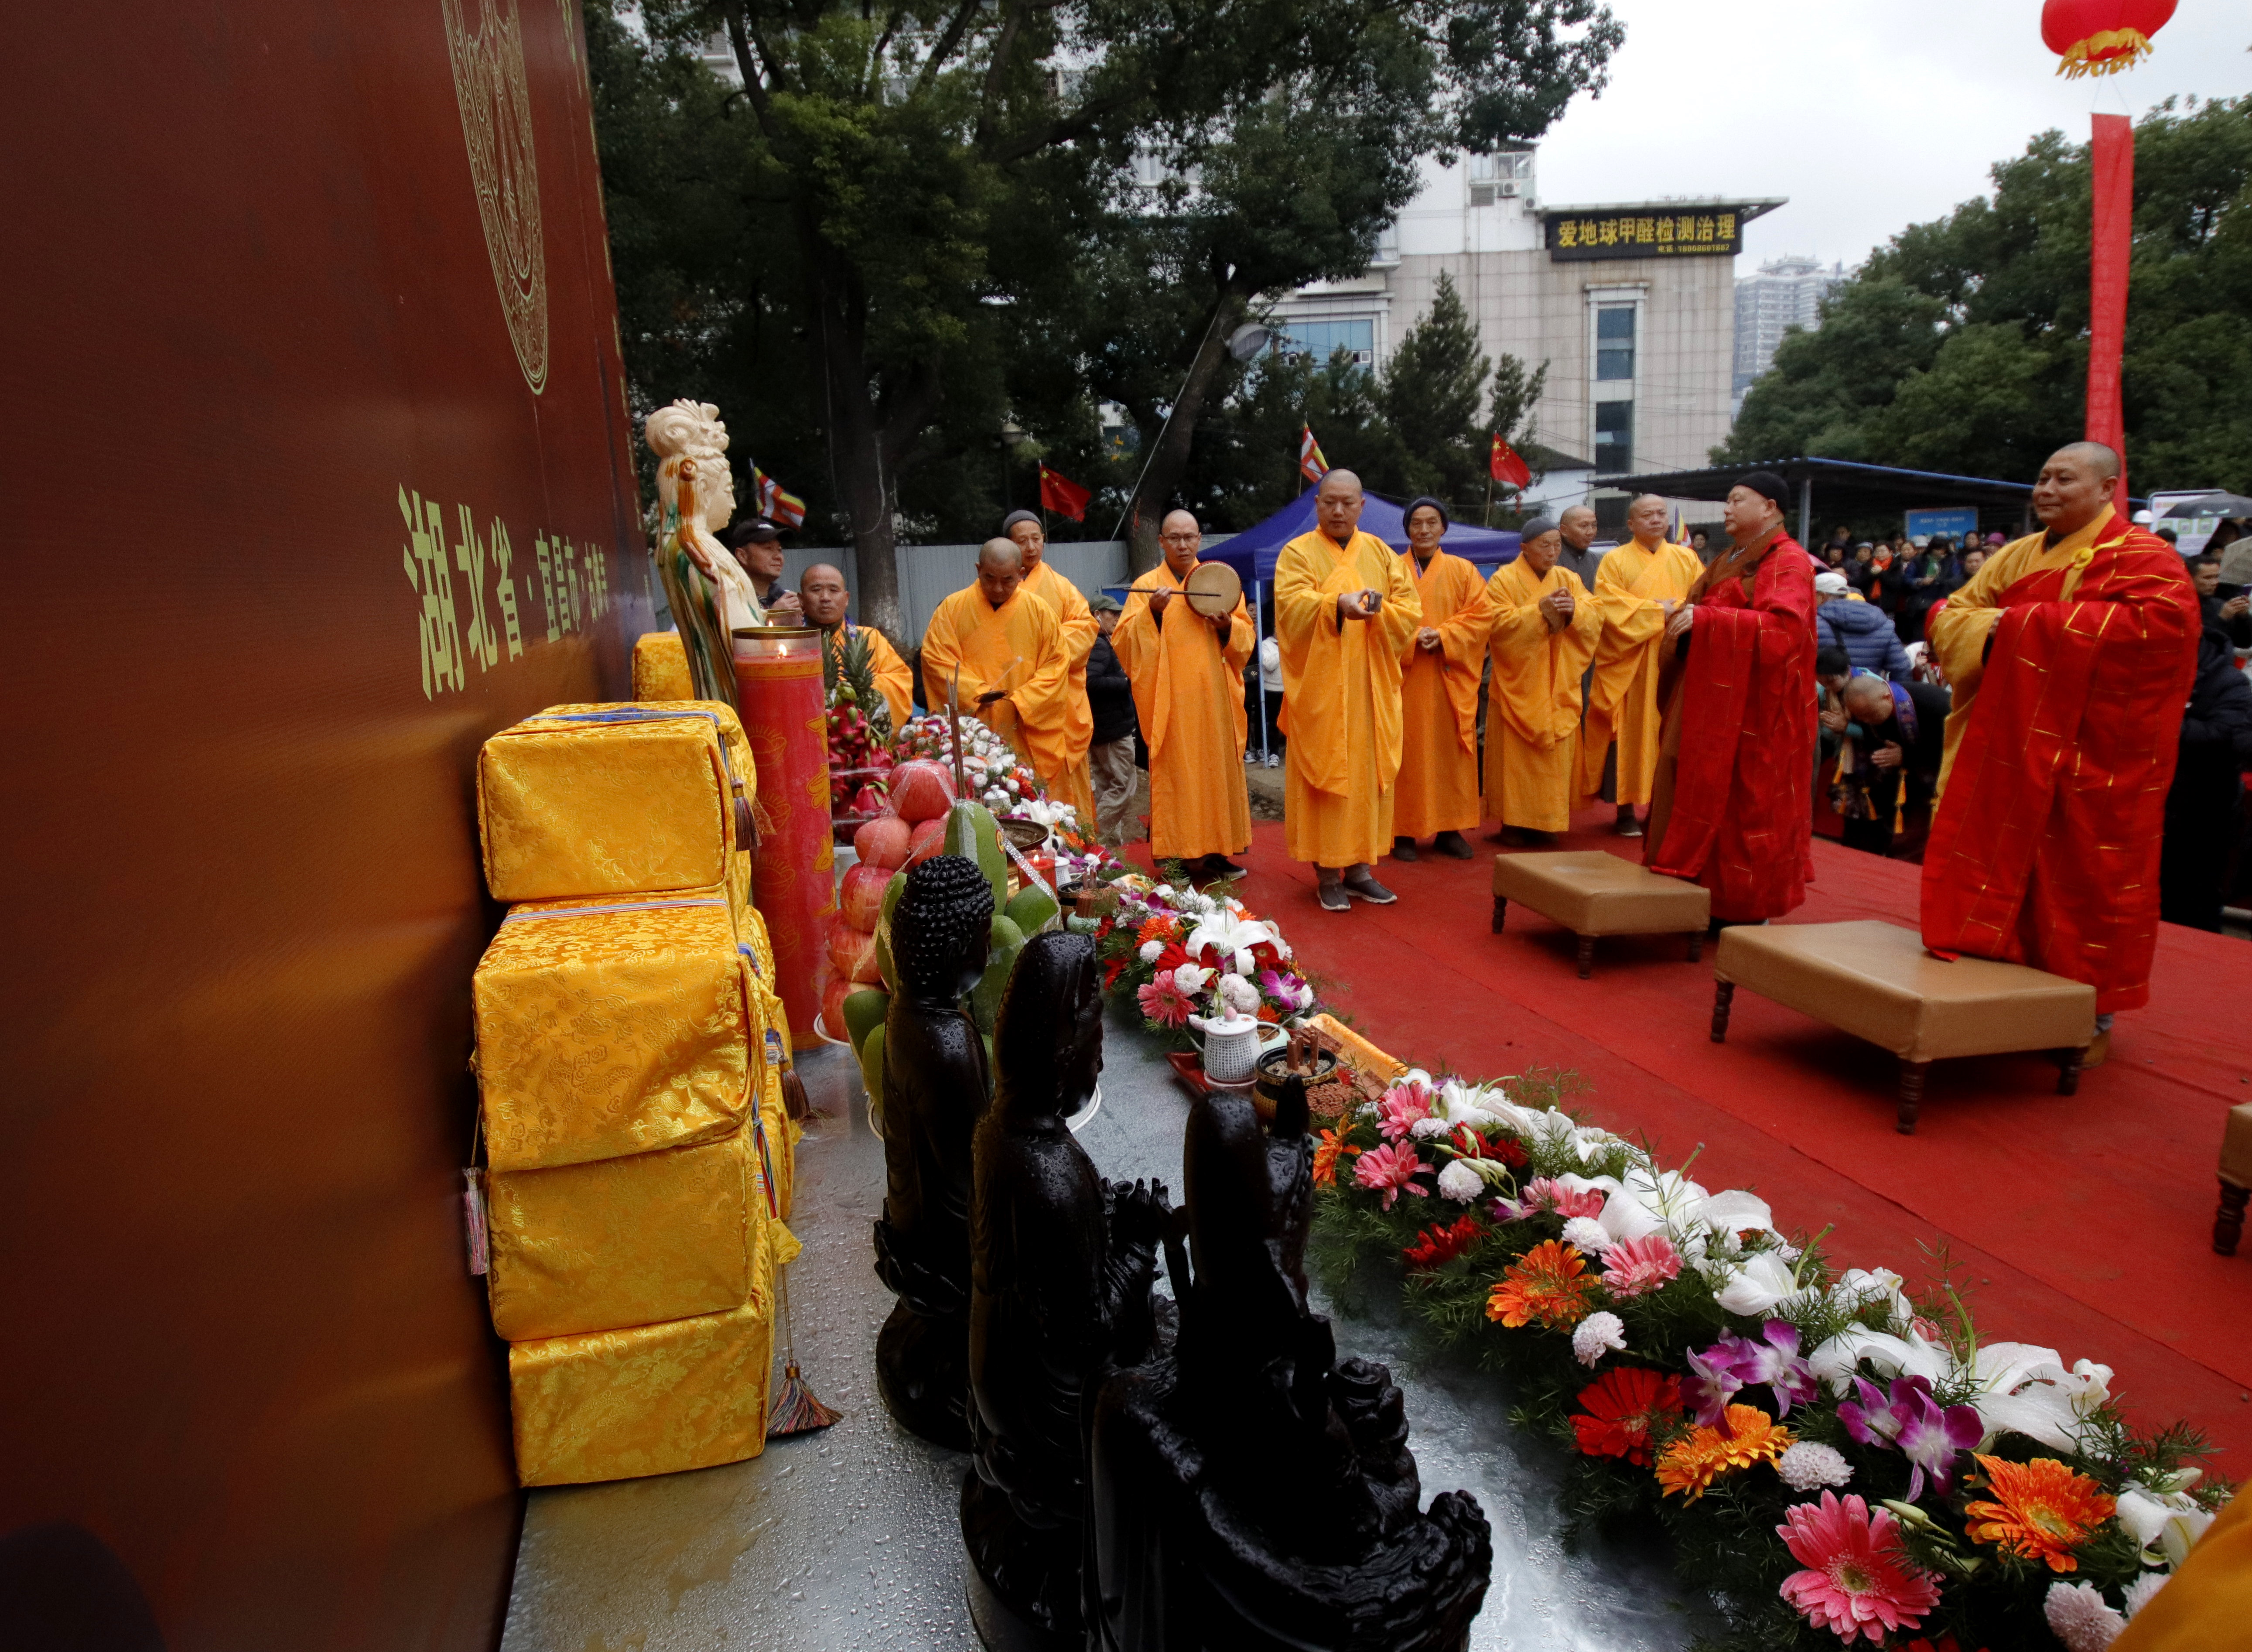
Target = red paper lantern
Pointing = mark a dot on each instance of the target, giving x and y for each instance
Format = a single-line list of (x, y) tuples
[(2102, 36)]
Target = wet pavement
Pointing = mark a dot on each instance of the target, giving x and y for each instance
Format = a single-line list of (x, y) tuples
[(849, 1538)]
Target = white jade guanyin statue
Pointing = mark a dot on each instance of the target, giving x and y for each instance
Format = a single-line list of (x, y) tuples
[(709, 592)]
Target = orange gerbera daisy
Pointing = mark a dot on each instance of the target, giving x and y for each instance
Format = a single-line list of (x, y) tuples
[(1325, 1157), (1549, 1284), (1702, 1455), (2042, 1509), (1161, 927)]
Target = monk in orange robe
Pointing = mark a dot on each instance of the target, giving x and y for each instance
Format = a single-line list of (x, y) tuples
[(1438, 788), (1731, 806), (1076, 620), (2070, 654), (1015, 675), (1344, 610), (1187, 673), (1544, 627), (1637, 586), (827, 603)]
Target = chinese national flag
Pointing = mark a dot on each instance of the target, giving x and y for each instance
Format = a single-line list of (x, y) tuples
[(1506, 466), (1061, 495)]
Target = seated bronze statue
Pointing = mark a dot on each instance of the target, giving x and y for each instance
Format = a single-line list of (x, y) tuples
[(934, 1089), (1060, 1268), (1246, 1490)]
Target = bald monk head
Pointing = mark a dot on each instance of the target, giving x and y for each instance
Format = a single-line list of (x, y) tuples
[(1000, 570), (1868, 700), (2074, 486), (1645, 520), (1576, 526), (821, 588), (1182, 541), (1336, 503)]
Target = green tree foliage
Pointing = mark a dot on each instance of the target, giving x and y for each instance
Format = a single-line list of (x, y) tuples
[(1962, 344)]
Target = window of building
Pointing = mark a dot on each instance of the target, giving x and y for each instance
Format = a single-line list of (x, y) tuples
[(1615, 341), (1323, 339), (1614, 437)]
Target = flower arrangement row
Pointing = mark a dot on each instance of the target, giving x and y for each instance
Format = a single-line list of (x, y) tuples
[(1836, 1459)]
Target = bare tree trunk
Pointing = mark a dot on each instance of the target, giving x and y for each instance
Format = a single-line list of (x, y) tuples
[(1171, 459)]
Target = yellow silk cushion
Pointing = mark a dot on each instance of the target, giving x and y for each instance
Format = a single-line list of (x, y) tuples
[(781, 1144), (604, 801), (660, 667), (653, 1400), (621, 1242), (613, 1026)]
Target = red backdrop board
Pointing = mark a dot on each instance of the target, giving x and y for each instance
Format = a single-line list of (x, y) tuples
[(317, 471)]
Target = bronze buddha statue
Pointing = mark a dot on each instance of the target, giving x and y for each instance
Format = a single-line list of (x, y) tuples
[(934, 1089), (1061, 1265)]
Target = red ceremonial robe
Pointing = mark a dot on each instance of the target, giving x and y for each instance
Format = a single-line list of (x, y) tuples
[(2044, 848), (1733, 808)]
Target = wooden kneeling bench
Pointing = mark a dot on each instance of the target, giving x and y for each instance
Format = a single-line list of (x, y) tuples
[(1876, 981), (1592, 893)]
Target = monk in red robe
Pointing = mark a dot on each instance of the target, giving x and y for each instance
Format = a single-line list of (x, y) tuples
[(2070, 653), (1730, 804)]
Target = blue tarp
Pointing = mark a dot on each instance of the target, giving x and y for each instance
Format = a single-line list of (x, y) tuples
[(1251, 552)]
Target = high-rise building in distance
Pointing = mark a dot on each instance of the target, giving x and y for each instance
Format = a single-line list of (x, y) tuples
[(1786, 293)]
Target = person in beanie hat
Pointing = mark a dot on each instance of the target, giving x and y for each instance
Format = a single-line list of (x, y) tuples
[(1731, 807)]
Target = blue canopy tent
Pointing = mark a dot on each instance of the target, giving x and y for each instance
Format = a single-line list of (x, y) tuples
[(1251, 552)]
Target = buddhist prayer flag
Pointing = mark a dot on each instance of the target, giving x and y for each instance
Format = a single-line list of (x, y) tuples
[(775, 502), (1311, 465), (1506, 466), (1063, 496)]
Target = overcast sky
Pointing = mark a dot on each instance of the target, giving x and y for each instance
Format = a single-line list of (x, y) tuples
[(1869, 115)]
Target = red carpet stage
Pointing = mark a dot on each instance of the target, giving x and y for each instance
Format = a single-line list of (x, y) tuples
[(2079, 1223)]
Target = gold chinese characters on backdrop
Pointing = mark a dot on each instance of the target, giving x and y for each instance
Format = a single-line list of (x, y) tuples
[(1645, 234)]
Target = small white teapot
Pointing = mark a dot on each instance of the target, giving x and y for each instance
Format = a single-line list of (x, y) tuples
[(1231, 1046)]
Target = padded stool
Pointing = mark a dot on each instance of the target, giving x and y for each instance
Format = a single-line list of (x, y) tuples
[(1591, 892), (1876, 981), (2235, 1179)]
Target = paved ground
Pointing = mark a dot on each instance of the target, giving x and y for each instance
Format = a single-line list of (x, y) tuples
[(849, 1538)]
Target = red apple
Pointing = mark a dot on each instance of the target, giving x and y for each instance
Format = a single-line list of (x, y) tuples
[(922, 791), (929, 838), (861, 899), (883, 842)]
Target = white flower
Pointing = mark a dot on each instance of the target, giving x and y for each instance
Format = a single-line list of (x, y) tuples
[(1587, 1235), (2168, 1520), (1151, 951), (1890, 1356), (1424, 1129), (2028, 1389), (1190, 980), (2139, 1591), (1597, 1334), (1809, 1466), (1756, 1285), (2080, 1618), (1459, 1182), (1240, 994)]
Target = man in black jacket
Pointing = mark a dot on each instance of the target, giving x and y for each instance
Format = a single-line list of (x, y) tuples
[(1110, 758), (1898, 732), (2216, 748)]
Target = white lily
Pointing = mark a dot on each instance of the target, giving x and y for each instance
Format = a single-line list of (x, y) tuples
[(2032, 1393), (1910, 1355), (1756, 1285), (2168, 1522)]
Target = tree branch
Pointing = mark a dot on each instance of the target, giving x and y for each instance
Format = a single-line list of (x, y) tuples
[(997, 70), (883, 44), (739, 42), (948, 44)]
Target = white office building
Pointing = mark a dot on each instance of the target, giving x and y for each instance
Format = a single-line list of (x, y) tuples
[(1787, 292)]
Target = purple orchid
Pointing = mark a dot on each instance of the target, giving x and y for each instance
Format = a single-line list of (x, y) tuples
[(1773, 1359), (1712, 1382), (1930, 1436)]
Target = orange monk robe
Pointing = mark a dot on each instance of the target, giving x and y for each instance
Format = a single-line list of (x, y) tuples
[(1076, 620), (1340, 696), (894, 679), (1188, 693), (2209, 1600), (1631, 587), (1438, 789), (1533, 704), (1018, 648)]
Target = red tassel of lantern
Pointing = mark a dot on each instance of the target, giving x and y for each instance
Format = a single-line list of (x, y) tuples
[(2102, 36)]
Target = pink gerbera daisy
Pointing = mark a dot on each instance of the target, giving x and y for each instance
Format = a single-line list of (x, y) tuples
[(1403, 1107), (1389, 1169), (1857, 1581), (1163, 1002), (1635, 1267), (1547, 1193)]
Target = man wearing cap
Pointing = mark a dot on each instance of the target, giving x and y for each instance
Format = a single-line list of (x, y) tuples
[(1544, 627), (1110, 764), (1731, 807), (1076, 623), (821, 591), (1187, 671), (2071, 653), (1637, 586), (1343, 611), (1437, 795), (1015, 673), (757, 546)]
